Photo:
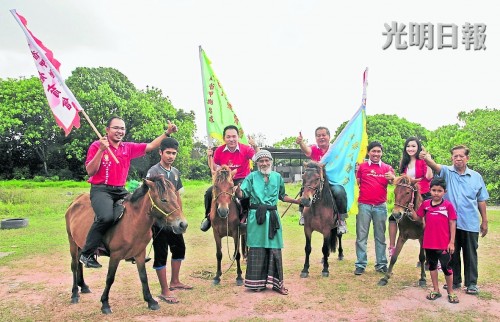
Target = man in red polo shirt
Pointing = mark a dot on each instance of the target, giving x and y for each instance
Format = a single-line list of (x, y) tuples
[(108, 179), (236, 156), (373, 176)]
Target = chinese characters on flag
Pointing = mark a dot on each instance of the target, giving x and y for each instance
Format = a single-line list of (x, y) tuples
[(64, 106)]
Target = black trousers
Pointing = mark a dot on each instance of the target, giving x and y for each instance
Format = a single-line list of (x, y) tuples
[(103, 200), (467, 243)]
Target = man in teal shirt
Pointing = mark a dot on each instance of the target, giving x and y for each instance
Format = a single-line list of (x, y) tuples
[(264, 231)]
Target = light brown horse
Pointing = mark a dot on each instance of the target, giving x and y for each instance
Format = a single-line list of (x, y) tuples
[(320, 214), (225, 219), (406, 191), (154, 201)]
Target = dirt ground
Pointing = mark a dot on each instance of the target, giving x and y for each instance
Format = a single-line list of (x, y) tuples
[(37, 290)]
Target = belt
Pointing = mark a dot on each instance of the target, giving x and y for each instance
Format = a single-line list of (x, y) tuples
[(107, 186)]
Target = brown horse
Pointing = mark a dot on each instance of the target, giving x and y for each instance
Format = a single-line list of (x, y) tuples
[(320, 214), (406, 191), (224, 216), (154, 201)]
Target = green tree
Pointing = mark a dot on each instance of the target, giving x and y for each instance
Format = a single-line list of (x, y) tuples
[(286, 143), (28, 129)]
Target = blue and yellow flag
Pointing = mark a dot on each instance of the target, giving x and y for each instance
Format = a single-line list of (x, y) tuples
[(348, 150), (218, 109)]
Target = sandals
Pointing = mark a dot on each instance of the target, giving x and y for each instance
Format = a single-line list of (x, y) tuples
[(433, 296), (168, 299), (282, 290), (453, 298), (472, 290)]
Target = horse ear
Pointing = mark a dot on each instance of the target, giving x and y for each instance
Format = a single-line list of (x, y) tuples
[(233, 172), (147, 182)]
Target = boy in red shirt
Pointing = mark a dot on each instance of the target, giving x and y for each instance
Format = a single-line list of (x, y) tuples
[(440, 221)]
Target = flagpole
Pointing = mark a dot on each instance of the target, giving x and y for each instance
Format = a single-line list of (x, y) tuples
[(210, 142), (59, 78)]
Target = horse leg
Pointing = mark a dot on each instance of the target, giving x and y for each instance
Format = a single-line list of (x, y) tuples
[(146, 293), (244, 251), (239, 279), (76, 269), (218, 246), (110, 278), (326, 253), (421, 257), (399, 246), (305, 271), (341, 250)]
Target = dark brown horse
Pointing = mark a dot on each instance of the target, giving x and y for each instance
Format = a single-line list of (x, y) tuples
[(225, 219), (320, 214), (154, 201), (406, 191)]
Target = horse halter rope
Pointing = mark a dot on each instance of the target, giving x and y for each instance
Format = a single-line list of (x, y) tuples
[(321, 183), (406, 208), (153, 205)]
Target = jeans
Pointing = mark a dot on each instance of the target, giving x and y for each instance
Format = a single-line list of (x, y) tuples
[(366, 214)]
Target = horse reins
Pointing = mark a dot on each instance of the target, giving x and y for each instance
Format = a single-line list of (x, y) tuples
[(321, 184)]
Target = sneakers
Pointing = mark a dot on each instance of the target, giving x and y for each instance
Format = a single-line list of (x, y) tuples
[(205, 224), (391, 251), (359, 271), (301, 220), (90, 261), (342, 228)]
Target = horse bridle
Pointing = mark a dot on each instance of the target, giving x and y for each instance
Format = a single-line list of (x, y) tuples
[(406, 208), (153, 206), (320, 188)]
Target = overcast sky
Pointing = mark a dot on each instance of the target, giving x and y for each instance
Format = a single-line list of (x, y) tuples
[(286, 66)]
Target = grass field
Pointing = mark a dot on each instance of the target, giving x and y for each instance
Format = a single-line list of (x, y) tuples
[(44, 205)]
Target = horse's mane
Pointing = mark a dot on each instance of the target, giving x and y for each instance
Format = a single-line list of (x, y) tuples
[(223, 174), (406, 180), (161, 185)]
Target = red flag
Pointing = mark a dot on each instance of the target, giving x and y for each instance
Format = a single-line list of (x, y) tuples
[(61, 100)]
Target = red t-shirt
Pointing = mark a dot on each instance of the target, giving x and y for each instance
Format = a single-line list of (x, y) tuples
[(373, 184), (239, 159), (420, 172), (109, 172), (316, 153), (437, 223)]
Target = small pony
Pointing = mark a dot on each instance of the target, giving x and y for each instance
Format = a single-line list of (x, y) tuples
[(154, 201), (224, 216), (406, 191), (320, 214)]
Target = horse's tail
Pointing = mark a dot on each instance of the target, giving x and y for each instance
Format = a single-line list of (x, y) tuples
[(333, 240)]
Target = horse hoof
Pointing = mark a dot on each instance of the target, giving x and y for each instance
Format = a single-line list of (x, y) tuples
[(85, 290), (106, 310), (341, 257), (153, 306), (382, 282), (304, 275), (74, 300), (325, 274), (422, 283), (215, 282), (239, 282)]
